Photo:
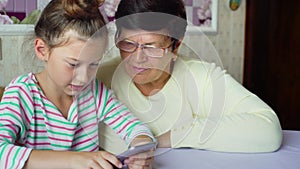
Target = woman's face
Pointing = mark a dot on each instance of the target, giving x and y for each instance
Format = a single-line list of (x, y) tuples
[(140, 66)]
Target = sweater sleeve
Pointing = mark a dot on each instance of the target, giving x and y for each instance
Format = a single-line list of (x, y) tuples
[(14, 117), (118, 117), (226, 116)]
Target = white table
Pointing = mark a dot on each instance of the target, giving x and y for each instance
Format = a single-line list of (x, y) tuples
[(287, 157)]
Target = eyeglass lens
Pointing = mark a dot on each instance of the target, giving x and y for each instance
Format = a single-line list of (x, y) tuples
[(150, 51)]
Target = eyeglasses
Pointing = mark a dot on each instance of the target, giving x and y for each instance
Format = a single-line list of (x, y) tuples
[(148, 50)]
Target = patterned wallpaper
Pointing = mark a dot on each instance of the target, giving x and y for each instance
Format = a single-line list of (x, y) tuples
[(23, 6), (228, 40)]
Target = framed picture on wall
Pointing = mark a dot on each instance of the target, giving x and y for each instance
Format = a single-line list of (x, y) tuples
[(201, 14)]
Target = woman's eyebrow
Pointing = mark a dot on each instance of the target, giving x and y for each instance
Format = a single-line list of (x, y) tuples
[(148, 43)]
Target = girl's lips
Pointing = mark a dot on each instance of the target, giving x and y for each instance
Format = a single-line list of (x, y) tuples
[(76, 87)]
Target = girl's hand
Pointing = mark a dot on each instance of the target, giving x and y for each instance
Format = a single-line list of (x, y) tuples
[(94, 160)]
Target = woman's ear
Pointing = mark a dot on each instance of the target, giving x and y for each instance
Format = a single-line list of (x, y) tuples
[(41, 49), (176, 47)]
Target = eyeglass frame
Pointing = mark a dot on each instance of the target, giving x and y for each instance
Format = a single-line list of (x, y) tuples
[(142, 46)]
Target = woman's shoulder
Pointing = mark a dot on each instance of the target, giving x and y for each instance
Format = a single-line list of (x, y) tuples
[(107, 69), (197, 65)]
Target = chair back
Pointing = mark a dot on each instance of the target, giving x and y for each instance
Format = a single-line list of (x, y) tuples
[(1, 92)]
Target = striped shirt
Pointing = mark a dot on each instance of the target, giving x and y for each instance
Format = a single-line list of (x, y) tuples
[(28, 120)]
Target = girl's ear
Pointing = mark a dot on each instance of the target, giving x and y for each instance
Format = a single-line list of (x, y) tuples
[(41, 49)]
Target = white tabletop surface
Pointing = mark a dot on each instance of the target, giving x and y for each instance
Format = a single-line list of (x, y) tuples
[(287, 157)]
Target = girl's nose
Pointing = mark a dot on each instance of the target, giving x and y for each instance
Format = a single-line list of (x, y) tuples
[(82, 75)]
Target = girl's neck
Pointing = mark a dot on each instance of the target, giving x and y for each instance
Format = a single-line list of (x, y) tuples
[(56, 96)]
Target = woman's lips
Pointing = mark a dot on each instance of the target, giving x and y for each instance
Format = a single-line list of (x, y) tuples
[(138, 69)]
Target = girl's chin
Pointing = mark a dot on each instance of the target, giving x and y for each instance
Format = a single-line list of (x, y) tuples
[(72, 92)]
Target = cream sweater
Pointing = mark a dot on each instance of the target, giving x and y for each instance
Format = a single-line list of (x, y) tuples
[(202, 106)]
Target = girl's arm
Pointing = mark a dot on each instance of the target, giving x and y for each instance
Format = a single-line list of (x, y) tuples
[(68, 159), (117, 116), (13, 126)]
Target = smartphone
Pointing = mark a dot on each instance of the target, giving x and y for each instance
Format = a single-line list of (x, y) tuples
[(136, 150)]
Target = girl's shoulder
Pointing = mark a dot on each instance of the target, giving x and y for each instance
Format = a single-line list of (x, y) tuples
[(23, 83), (20, 92), (23, 79)]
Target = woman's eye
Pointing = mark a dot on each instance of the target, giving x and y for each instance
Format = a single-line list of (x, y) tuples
[(94, 64), (150, 47)]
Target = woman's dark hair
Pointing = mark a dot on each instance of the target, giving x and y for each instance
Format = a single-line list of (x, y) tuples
[(152, 15), (60, 16)]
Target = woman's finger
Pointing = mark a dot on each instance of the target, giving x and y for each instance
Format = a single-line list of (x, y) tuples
[(108, 160), (140, 163)]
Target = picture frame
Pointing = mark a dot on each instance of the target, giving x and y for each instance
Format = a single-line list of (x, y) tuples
[(202, 15)]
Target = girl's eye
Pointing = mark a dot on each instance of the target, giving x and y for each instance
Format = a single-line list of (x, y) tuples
[(73, 64)]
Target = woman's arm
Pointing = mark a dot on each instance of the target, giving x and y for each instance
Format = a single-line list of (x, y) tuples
[(226, 116)]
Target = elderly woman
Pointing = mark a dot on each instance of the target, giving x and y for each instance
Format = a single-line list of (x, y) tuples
[(186, 102)]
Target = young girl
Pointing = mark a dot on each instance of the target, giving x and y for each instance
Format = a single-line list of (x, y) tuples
[(60, 107)]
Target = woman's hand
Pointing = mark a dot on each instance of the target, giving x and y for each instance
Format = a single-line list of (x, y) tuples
[(164, 140), (142, 160)]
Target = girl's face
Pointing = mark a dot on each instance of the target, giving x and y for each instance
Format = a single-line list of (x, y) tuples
[(142, 68), (71, 67)]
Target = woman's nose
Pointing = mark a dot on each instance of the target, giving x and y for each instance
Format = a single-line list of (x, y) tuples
[(139, 55)]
